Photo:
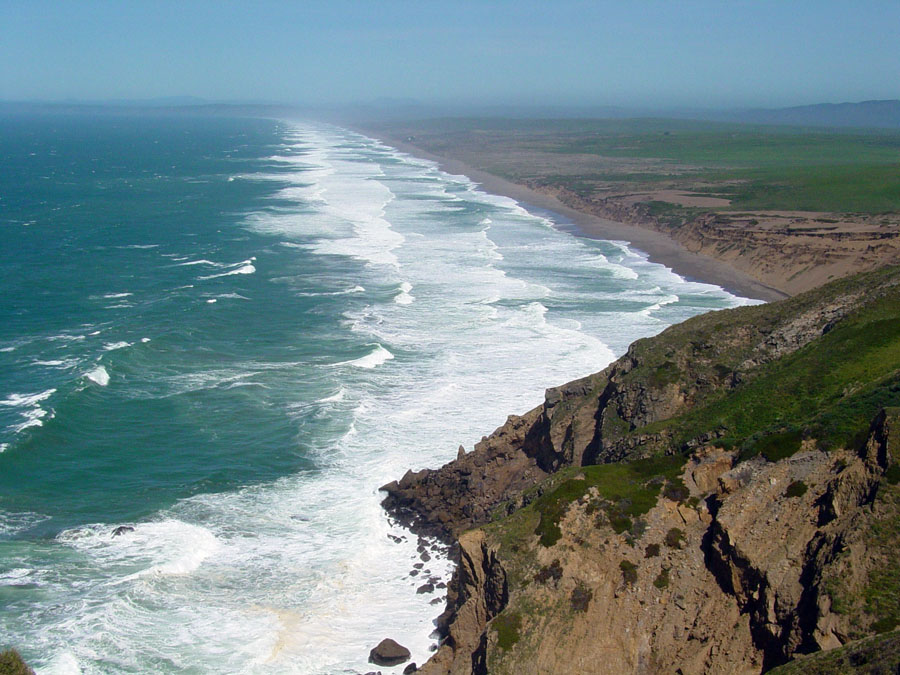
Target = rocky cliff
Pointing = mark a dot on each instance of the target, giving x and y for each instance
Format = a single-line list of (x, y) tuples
[(721, 499)]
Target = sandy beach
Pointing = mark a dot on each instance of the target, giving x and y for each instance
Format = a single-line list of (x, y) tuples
[(658, 246)]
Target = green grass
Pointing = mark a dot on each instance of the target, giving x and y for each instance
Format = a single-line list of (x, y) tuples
[(756, 166), (626, 491), (842, 188), (830, 390), (507, 625), (740, 146), (882, 592)]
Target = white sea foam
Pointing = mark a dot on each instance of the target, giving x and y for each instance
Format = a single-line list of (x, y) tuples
[(244, 267), (334, 398), (167, 547), (65, 337), (145, 339), (202, 261), (373, 359), (29, 408), (58, 363), (13, 523), (348, 291), (112, 346), (113, 296), (98, 375), (404, 297)]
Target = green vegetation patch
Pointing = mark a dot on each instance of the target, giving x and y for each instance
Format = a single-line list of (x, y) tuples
[(581, 597), (879, 654), (882, 592), (552, 571), (12, 664), (662, 579), (892, 475), (796, 489), (629, 572), (507, 626), (674, 538), (625, 492)]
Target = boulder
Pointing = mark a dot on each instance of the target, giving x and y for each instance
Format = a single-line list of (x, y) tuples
[(122, 529), (388, 653)]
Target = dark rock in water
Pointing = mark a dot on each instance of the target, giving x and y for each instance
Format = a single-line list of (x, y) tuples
[(372, 672), (440, 585), (418, 566), (388, 653), (425, 588), (411, 668), (413, 573), (394, 538), (122, 529), (436, 601), (425, 557)]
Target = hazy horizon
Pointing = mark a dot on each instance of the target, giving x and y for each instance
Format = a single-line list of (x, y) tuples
[(655, 55)]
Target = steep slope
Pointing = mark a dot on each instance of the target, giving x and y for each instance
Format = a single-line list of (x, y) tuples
[(719, 499)]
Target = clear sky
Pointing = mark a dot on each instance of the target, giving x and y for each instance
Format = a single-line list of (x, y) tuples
[(569, 52)]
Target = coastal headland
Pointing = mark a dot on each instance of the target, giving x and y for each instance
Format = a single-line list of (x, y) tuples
[(723, 498)]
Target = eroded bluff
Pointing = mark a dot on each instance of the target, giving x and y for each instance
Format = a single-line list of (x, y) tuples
[(609, 416), (721, 499)]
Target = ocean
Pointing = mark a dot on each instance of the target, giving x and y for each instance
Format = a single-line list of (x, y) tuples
[(226, 334)]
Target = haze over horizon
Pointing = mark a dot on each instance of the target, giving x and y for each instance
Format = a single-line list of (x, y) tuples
[(575, 53)]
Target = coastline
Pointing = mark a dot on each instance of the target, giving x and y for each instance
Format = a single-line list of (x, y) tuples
[(659, 247)]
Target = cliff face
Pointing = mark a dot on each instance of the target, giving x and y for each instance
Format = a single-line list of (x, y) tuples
[(789, 251), (714, 501)]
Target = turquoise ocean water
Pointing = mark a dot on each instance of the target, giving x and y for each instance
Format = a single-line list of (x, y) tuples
[(226, 334)]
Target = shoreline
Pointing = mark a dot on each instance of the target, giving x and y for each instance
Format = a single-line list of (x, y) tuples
[(659, 247)]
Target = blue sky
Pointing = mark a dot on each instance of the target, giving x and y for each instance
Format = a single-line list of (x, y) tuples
[(627, 53)]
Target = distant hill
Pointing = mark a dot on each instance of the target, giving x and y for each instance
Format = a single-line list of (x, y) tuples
[(879, 114)]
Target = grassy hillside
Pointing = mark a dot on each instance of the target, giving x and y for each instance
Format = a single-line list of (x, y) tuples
[(755, 166)]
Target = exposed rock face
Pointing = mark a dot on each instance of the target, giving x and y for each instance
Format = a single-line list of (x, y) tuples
[(445, 502), (476, 595), (790, 251), (388, 653)]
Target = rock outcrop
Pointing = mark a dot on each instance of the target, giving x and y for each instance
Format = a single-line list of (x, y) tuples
[(388, 653)]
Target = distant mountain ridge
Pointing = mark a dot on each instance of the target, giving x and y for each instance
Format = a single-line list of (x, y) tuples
[(880, 114)]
